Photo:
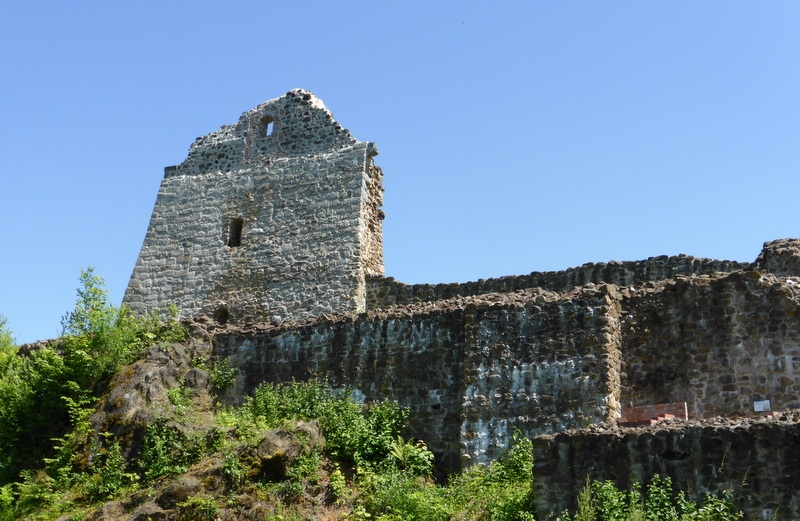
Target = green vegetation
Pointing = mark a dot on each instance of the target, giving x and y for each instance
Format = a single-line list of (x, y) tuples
[(501, 491), (53, 463), (46, 397), (603, 501)]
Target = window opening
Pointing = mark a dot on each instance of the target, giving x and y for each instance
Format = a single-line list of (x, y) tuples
[(269, 125), (235, 233)]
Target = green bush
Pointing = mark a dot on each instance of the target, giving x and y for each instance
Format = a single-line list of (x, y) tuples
[(169, 450), (360, 434), (500, 491), (199, 508), (411, 458), (603, 501), (36, 388), (109, 473), (222, 375), (233, 471), (99, 338), (31, 408)]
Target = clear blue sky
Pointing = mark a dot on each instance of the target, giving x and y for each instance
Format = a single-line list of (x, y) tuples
[(514, 136)]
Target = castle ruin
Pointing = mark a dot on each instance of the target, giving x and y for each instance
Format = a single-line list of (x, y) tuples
[(271, 230)]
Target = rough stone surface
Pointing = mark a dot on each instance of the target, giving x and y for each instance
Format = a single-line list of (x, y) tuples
[(139, 392), (780, 257), (472, 370), (718, 343), (756, 460), (256, 227), (272, 228), (148, 512), (108, 511), (178, 491)]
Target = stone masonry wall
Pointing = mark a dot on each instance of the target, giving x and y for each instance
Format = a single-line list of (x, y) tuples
[(471, 370), (780, 257), (756, 460), (475, 368), (718, 343), (386, 292), (257, 227), (371, 222)]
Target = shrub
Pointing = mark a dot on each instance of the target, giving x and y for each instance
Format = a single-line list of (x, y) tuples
[(222, 375), (109, 473), (199, 508), (233, 471), (500, 491), (99, 338), (37, 388), (412, 458), (31, 409), (357, 433), (169, 450), (603, 501)]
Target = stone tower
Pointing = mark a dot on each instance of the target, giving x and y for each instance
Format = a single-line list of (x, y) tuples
[(276, 217)]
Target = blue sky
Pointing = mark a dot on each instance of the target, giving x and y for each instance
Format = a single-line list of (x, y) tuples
[(514, 136)]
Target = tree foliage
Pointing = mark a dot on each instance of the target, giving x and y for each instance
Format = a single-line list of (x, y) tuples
[(37, 386)]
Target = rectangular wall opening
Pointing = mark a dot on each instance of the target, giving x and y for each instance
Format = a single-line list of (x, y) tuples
[(235, 233), (269, 125)]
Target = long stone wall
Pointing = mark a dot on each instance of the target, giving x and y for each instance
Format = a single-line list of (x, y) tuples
[(471, 371), (385, 292), (755, 460)]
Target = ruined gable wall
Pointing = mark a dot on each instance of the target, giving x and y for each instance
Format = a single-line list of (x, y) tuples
[(303, 200), (471, 370), (296, 124)]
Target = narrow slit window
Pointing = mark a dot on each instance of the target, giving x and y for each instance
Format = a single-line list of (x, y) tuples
[(235, 233)]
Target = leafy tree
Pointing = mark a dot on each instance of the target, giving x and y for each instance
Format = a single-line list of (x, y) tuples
[(6, 339), (37, 387), (99, 338)]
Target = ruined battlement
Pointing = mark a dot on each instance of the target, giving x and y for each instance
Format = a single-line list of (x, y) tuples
[(383, 292)]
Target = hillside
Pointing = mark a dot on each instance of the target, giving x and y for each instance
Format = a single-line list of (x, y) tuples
[(144, 434)]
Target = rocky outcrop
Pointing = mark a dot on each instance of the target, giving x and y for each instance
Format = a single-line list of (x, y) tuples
[(140, 392)]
